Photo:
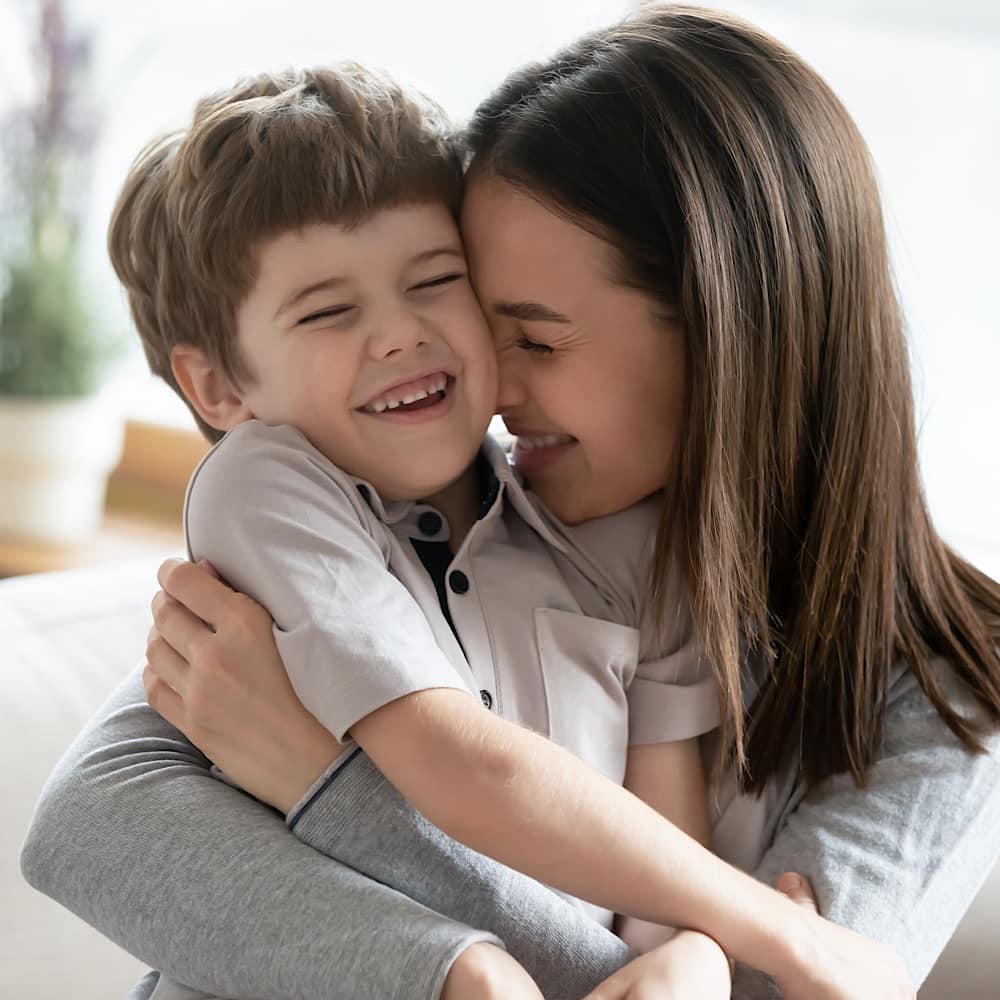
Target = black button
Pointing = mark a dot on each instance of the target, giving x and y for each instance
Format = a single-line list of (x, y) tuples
[(458, 581), (487, 698), (429, 523), (490, 498)]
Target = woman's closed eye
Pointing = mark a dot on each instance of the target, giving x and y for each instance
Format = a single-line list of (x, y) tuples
[(525, 344)]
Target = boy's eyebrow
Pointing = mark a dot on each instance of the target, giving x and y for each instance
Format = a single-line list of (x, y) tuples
[(530, 312), (301, 293), (450, 251), (333, 282)]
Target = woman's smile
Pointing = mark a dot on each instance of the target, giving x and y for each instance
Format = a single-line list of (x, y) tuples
[(591, 376), (535, 451)]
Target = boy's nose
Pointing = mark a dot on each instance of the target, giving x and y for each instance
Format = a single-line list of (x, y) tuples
[(398, 332)]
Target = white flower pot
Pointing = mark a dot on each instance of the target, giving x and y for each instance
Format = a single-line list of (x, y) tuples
[(55, 458)]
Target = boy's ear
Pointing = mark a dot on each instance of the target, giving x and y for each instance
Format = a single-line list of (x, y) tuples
[(209, 390)]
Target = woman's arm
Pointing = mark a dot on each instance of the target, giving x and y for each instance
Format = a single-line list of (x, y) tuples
[(248, 717), (520, 799), (902, 859), (135, 836)]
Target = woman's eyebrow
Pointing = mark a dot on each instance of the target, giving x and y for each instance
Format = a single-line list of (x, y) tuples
[(530, 311)]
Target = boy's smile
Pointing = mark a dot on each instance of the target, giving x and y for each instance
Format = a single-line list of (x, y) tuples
[(413, 396), (370, 341)]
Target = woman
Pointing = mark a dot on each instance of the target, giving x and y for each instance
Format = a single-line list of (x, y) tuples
[(690, 157)]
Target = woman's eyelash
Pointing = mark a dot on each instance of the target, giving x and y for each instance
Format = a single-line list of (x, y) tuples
[(534, 346)]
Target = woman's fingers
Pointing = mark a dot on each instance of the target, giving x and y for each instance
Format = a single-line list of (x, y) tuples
[(165, 663), (798, 890), (179, 627), (208, 568), (163, 699), (198, 587)]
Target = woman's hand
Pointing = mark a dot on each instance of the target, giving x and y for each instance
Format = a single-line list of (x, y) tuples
[(213, 671), (688, 965)]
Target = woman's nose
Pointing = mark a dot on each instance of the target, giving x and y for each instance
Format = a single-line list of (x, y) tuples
[(512, 388)]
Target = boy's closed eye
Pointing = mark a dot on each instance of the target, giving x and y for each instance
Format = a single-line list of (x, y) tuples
[(333, 312), (439, 282), (330, 313)]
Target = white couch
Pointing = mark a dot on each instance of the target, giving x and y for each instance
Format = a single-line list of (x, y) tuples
[(67, 638)]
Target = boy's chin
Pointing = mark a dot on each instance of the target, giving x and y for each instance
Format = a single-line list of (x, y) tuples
[(439, 474)]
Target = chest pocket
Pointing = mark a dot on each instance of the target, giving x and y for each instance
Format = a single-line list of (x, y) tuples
[(587, 666)]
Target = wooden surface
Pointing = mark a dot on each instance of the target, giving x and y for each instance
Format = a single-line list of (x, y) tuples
[(122, 536)]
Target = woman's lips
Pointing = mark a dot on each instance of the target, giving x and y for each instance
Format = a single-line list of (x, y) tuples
[(535, 454)]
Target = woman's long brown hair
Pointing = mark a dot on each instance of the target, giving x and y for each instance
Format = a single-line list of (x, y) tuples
[(732, 183)]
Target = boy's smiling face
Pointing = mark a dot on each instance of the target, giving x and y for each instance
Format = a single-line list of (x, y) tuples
[(371, 342)]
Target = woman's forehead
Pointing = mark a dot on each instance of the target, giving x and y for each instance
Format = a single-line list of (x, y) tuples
[(513, 238)]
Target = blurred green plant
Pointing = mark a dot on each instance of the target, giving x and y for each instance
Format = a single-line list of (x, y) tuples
[(51, 342)]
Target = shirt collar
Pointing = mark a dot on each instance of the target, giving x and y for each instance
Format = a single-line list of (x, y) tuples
[(500, 483), (512, 488)]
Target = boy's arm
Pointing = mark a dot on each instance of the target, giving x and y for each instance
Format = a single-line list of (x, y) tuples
[(672, 701), (669, 777), (134, 836), (520, 799), (901, 859)]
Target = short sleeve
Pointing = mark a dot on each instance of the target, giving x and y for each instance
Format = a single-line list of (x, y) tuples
[(672, 698), (674, 695), (281, 524)]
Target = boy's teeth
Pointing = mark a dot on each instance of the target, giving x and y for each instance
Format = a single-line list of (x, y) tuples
[(390, 401), (547, 441)]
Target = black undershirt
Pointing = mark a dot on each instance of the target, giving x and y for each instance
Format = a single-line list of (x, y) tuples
[(436, 557)]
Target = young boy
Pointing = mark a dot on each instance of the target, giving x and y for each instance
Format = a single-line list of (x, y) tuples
[(295, 271)]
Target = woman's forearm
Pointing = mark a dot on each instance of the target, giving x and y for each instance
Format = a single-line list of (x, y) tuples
[(356, 816), (136, 837)]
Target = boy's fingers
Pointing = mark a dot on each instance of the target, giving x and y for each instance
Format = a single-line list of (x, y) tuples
[(198, 587), (797, 889)]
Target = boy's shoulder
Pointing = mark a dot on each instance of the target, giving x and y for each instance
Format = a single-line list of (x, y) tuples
[(275, 466)]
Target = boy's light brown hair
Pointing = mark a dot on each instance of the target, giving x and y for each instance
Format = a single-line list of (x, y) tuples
[(274, 153)]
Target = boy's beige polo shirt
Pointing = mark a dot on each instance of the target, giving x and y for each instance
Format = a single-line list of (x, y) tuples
[(547, 616)]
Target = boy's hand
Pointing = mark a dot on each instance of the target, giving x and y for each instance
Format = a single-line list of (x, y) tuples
[(688, 965)]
